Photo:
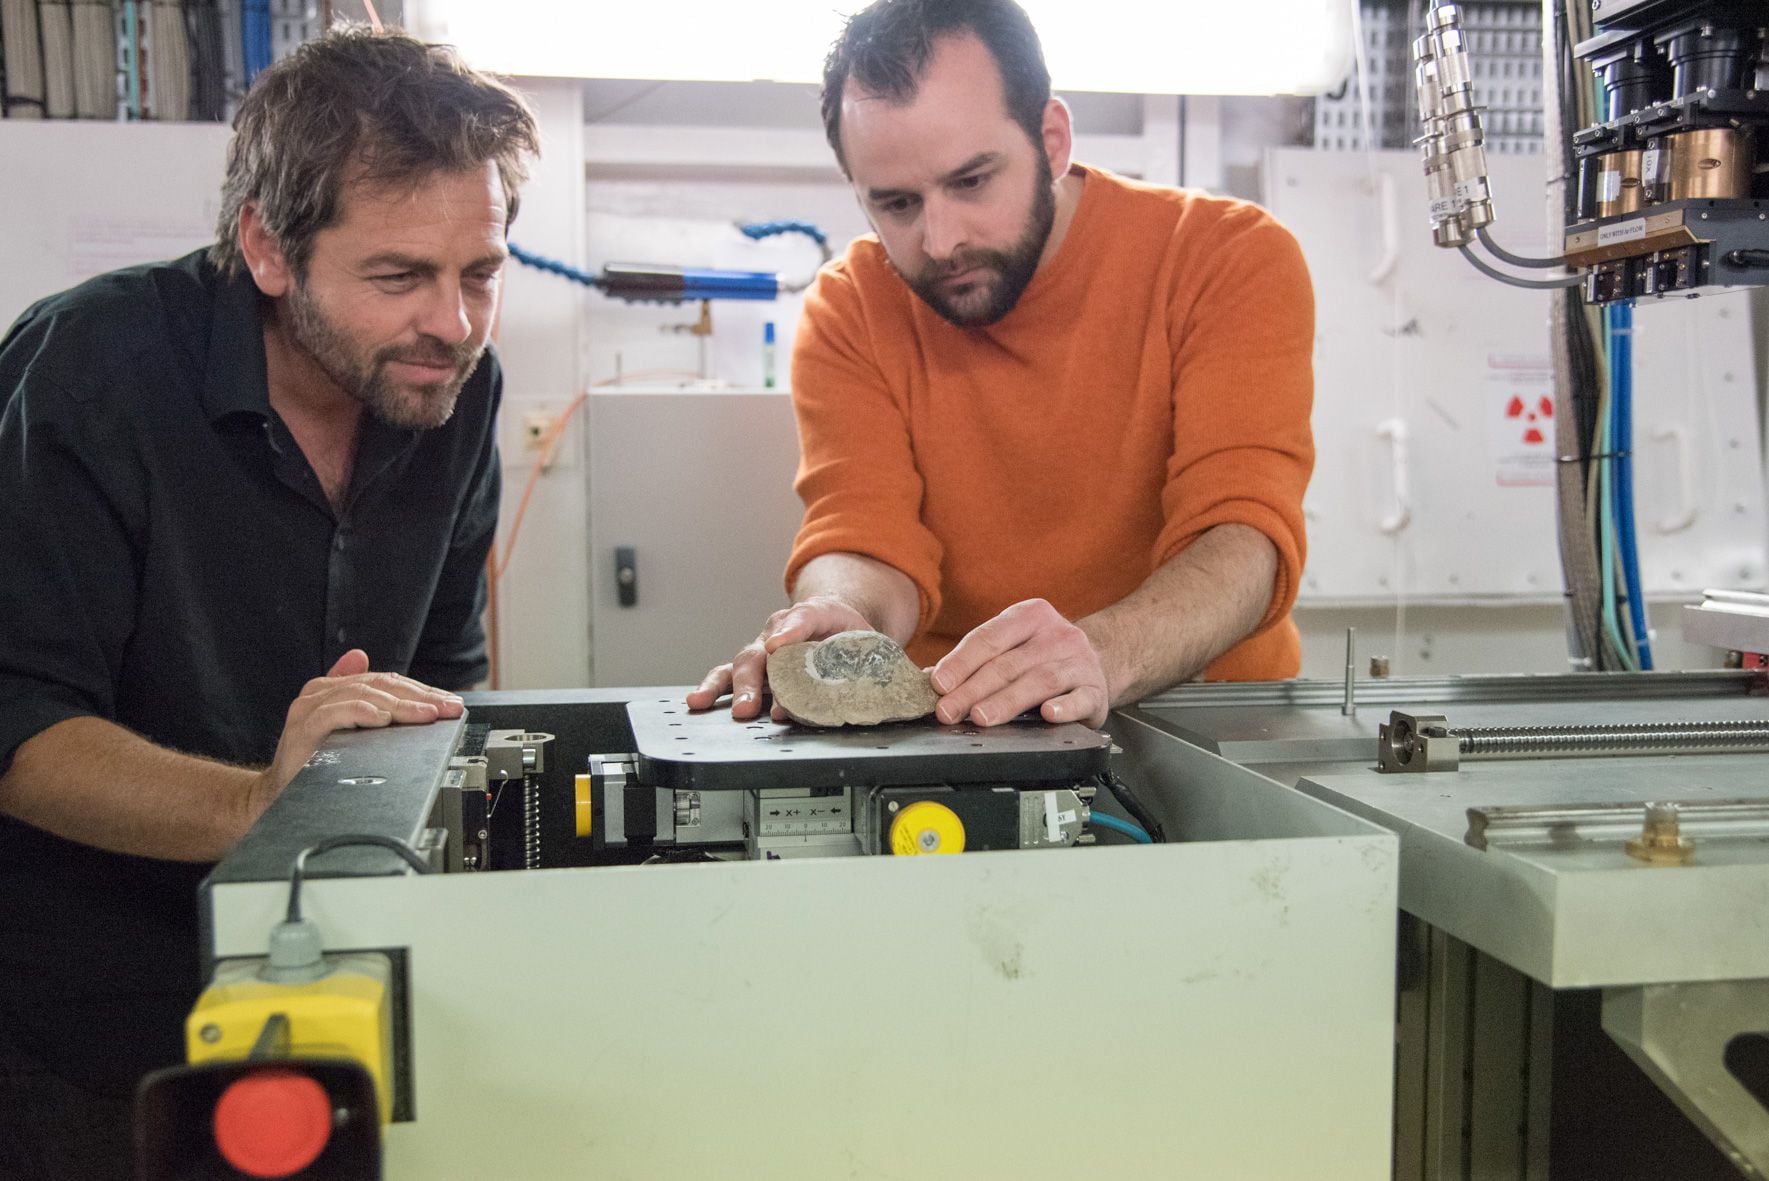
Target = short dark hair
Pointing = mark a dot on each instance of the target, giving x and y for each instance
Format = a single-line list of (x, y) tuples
[(395, 107), (886, 46)]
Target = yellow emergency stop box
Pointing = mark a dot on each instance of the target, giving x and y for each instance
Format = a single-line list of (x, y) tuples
[(347, 1013)]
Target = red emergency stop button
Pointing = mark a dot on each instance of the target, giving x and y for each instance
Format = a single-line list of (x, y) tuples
[(273, 1123)]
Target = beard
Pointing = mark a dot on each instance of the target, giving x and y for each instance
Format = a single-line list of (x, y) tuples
[(1003, 274), (419, 406)]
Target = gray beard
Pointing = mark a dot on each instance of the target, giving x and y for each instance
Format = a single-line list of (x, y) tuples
[(409, 408)]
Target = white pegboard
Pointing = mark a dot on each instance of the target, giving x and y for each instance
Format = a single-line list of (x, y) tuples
[(1435, 457), (1505, 59), (1388, 58)]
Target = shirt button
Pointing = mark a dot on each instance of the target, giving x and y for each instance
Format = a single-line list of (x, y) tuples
[(340, 635), (338, 540)]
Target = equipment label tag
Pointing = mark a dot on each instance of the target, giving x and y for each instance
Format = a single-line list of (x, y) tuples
[(1627, 231), (1609, 185), (1470, 190), (1447, 207)]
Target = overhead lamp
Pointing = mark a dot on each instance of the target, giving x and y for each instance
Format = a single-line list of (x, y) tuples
[(1181, 47)]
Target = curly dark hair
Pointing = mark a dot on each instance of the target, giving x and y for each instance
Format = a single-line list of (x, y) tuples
[(394, 107)]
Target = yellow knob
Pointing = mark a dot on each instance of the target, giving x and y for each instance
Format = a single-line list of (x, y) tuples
[(583, 812), (927, 827)]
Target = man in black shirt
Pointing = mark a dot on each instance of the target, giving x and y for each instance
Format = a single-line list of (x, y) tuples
[(227, 483)]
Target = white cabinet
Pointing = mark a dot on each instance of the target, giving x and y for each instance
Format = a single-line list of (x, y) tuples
[(698, 484)]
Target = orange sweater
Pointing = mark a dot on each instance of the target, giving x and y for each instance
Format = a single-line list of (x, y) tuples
[(1154, 381)]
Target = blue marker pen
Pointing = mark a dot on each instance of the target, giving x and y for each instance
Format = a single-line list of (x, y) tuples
[(768, 355)]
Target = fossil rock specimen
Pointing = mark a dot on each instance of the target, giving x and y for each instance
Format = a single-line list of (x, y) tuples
[(857, 678)]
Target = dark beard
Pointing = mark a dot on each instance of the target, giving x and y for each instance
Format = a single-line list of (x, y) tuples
[(410, 408), (1013, 268)]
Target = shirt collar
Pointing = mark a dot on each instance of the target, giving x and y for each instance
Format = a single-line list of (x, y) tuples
[(234, 379)]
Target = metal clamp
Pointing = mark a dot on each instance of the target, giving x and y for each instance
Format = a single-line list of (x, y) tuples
[(1416, 742), (513, 754)]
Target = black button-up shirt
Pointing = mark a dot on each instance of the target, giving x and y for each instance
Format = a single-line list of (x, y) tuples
[(170, 562)]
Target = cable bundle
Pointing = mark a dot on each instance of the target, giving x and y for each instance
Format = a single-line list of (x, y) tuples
[(168, 61), (21, 60), (55, 26), (256, 43), (1593, 424), (208, 60), (93, 25)]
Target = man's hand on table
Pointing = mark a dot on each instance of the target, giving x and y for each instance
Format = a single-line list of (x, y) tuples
[(349, 697), (1027, 657)]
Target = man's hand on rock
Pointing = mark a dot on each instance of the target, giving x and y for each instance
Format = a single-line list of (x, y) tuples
[(746, 677), (1027, 657)]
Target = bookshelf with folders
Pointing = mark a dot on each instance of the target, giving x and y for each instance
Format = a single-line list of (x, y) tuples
[(169, 60)]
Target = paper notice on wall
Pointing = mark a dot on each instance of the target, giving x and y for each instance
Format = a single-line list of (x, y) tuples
[(100, 245), (1520, 419)]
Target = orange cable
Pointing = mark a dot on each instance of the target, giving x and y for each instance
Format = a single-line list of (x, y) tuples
[(644, 374), (551, 440), (494, 673)]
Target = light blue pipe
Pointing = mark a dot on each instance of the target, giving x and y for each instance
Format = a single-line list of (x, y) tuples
[(1133, 831)]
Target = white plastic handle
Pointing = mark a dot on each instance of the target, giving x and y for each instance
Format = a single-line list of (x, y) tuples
[(1390, 232), (1679, 439), (1394, 430)]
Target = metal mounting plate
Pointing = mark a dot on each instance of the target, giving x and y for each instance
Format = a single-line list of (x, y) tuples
[(710, 752)]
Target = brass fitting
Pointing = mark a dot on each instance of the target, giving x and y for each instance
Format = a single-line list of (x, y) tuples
[(1661, 841)]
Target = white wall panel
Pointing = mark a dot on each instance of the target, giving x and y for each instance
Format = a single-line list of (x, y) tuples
[(543, 610), (81, 198), (1434, 479)]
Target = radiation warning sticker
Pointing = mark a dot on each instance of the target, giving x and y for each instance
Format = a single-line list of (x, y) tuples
[(1520, 421)]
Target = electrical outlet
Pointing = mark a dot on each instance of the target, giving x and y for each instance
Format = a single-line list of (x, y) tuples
[(535, 426), (525, 427)]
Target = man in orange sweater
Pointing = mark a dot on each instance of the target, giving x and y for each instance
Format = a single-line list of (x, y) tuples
[(1054, 423)]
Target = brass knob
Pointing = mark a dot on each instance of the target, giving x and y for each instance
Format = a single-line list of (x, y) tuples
[(1661, 840)]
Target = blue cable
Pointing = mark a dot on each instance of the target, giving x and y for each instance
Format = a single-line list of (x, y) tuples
[(1606, 530), (132, 38), (255, 37), (758, 230), (552, 266), (1134, 832), (1622, 371)]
